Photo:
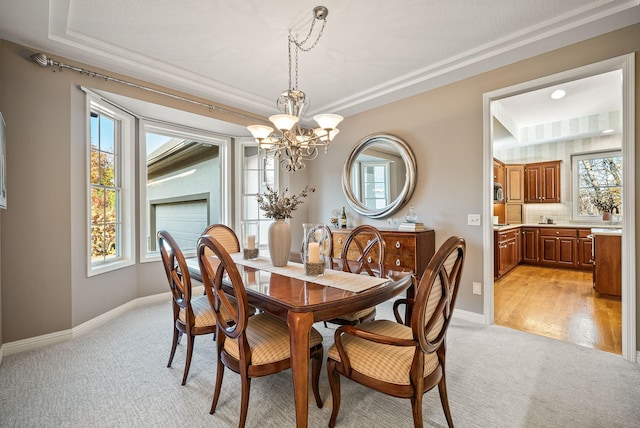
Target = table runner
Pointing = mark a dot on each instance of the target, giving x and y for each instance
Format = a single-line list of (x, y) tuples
[(332, 278)]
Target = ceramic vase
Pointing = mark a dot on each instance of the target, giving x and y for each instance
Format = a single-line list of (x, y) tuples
[(279, 242), (606, 216)]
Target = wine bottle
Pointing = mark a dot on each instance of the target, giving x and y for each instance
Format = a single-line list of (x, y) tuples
[(343, 222)]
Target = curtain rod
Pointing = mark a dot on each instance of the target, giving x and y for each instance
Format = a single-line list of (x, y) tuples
[(44, 61)]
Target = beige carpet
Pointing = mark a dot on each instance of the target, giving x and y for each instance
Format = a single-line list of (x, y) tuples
[(115, 376)]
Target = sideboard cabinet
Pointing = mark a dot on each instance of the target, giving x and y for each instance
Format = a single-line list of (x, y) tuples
[(408, 251)]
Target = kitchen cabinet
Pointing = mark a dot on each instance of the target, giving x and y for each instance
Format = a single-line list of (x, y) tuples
[(514, 184), (507, 251), (498, 172), (607, 264), (585, 249), (409, 251), (530, 245), (542, 182), (558, 247)]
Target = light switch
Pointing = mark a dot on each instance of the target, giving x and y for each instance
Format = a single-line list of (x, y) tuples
[(473, 219)]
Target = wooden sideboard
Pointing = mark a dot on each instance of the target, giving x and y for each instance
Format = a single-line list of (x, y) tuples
[(402, 250)]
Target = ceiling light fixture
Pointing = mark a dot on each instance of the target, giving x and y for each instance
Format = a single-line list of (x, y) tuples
[(291, 142), (558, 94)]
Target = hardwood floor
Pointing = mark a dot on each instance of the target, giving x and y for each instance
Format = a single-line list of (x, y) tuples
[(558, 303)]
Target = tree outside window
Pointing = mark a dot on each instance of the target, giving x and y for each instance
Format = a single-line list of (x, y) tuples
[(599, 183)]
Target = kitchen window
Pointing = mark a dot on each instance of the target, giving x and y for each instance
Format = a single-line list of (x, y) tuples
[(597, 184)]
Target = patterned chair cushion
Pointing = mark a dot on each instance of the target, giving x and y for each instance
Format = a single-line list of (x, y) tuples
[(203, 312), (386, 363), (268, 338), (355, 316)]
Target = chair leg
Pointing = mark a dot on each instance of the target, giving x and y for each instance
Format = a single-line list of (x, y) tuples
[(190, 339), (334, 383), (316, 366), (216, 393), (442, 388), (416, 407), (244, 406), (176, 339)]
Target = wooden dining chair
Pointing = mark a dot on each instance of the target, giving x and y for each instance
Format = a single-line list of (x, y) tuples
[(225, 236), (192, 316), (362, 253), (404, 360), (250, 346)]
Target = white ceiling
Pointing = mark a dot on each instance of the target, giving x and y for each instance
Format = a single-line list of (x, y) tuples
[(372, 51)]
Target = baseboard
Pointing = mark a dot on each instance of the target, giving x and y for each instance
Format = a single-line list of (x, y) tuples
[(60, 336), (468, 316)]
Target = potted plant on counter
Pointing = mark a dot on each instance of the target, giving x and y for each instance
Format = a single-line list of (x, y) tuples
[(607, 203)]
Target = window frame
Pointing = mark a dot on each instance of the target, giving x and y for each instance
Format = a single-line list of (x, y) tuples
[(178, 131), (575, 180), (240, 178), (124, 157)]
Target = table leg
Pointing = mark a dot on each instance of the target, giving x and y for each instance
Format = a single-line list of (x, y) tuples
[(299, 327)]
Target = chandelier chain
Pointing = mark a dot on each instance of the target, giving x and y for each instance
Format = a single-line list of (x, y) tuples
[(300, 45)]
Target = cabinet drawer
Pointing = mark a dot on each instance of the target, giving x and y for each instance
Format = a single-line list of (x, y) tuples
[(558, 232), (584, 233), (507, 234), (405, 261), (397, 244)]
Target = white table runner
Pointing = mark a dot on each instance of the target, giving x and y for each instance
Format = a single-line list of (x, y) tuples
[(332, 278)]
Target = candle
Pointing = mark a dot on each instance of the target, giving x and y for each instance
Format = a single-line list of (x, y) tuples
[(314, 252), (251, 242)]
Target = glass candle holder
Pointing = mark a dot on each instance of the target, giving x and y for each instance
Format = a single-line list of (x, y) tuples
[(250, 239), (314, 248)]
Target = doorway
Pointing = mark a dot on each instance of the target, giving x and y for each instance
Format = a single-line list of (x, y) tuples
[(624, 66)]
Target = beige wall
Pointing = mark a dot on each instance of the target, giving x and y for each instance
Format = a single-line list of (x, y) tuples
[(1, 342), (445, 130), (44, 285)]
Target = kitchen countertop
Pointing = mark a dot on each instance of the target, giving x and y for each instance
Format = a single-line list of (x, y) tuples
[(602, 228), (606, 231)]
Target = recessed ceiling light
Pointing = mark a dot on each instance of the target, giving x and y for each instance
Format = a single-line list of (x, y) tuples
[(608, 131), (557, 94)]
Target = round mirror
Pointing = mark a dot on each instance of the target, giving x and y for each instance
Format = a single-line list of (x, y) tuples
[(379, 175)]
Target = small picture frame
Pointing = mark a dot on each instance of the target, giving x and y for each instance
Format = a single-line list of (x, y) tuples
[(3, 164)]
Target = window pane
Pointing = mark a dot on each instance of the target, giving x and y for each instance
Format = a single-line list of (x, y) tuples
[(97, 206), (107, 169), (599, 180), (252, 183), (111, 206), (107, 134), (95, 166)]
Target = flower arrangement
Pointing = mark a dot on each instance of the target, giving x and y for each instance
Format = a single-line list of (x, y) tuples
[(279, 206), (607, 203)]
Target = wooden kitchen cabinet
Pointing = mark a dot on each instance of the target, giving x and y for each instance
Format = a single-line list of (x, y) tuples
[(409, 251), (542, 182), (499, 172), (507, 251), (558, 247), (585, 249), (607, 267), (530, 236), (514, 184)]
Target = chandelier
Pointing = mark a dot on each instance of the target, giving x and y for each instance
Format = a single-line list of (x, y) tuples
[(290, 142)]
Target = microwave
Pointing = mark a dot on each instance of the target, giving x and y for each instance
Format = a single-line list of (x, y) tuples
[(498, 194)]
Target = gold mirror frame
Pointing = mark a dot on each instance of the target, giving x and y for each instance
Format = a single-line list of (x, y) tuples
[(404, 151)]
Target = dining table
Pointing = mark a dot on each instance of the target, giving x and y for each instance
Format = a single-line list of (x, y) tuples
[(303, 300)]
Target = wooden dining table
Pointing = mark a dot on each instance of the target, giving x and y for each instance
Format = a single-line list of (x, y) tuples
[(302, 301)]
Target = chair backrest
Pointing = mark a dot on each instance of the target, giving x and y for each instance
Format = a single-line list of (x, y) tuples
[(363, 251), (232, 320), (225, 236), (436, 295), (176, 269)]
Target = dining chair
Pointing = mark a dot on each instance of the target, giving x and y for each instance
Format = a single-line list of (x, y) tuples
[(250, 346), (404, 360), (192, 316), (225, 236), (362, 253)]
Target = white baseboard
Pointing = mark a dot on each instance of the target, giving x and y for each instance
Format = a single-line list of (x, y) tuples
[(468, 316), (60, 336)]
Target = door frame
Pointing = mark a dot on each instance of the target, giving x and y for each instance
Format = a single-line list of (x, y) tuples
[(625, 63)]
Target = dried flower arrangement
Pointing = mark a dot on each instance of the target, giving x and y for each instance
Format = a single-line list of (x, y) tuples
[(279, 206), (607, 203)]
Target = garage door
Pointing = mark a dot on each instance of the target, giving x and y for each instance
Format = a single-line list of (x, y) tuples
[(184, 220)]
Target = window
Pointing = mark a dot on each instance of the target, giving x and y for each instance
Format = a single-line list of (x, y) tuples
[(597, 179), (183, 184), (258, 171), (110, 182)]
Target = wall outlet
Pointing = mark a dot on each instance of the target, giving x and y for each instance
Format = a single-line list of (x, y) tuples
[(477, 288), (473, 219)]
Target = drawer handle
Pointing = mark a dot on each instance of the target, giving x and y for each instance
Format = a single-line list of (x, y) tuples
[(369, 259), (397, 244), (339, 240), (368, 241), (397, 262)]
